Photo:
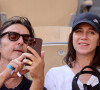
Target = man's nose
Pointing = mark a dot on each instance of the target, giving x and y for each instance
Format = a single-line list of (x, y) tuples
[(20, 40)]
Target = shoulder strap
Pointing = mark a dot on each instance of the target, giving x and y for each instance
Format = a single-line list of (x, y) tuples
[(94, 72)]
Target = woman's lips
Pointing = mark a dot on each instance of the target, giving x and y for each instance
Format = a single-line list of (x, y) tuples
[(83, 44)]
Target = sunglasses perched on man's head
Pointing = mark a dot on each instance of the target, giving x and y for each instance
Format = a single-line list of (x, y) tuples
[(14, 36)]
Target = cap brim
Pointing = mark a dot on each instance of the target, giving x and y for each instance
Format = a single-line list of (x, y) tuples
[(86, 21)]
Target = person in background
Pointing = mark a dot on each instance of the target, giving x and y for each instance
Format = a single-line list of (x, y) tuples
[(83, 50), (14, 35)]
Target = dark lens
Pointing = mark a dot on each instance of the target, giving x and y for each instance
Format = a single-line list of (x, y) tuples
[(26, 38), (32, 42), (13, 36)]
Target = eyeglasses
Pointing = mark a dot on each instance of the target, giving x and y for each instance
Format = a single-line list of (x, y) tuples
[(14, 36)]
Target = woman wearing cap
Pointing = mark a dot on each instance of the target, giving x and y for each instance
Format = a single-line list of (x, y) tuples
[(83, 50)]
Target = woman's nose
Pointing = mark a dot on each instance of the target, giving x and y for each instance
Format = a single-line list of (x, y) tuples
[(84, 36)]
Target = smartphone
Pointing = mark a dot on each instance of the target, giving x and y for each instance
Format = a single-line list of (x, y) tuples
[(36, 44)]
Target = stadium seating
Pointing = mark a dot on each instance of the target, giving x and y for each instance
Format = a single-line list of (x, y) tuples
[(53, 33)]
